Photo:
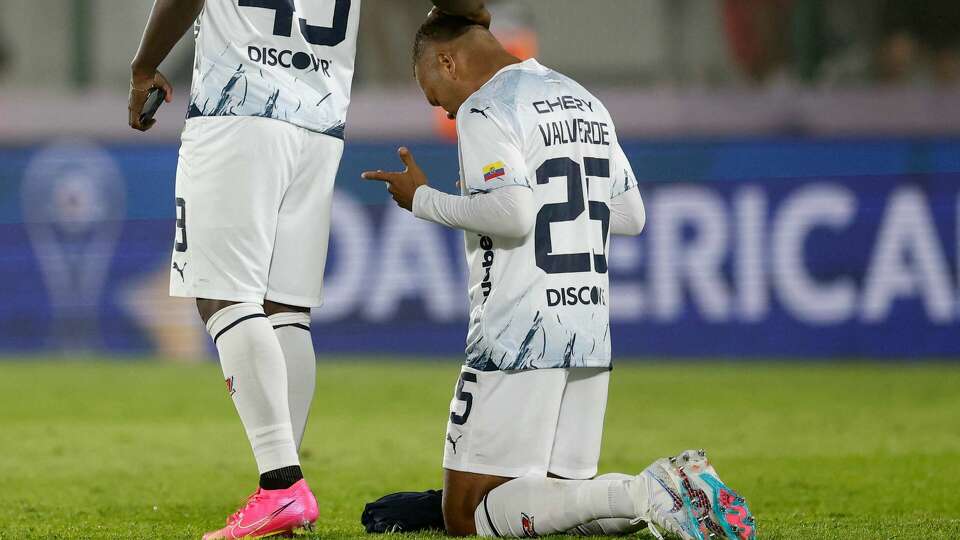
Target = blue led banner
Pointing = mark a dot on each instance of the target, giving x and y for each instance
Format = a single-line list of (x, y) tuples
[(758, 248)]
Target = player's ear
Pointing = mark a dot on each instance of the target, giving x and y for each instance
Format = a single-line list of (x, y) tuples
[(448, 65)]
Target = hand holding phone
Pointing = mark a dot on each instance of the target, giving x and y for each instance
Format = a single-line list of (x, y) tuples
[(147, 93), (155, 98)]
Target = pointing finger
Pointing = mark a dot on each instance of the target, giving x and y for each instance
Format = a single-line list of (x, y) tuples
[(379, 175)]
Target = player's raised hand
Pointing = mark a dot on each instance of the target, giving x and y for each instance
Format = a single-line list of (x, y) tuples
[(140, 86), (402, 185)]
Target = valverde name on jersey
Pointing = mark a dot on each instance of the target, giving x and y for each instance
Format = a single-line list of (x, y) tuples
[(574, 130), (276, 59)]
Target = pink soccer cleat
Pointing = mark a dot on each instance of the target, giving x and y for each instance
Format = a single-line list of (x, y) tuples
[(271, 512)]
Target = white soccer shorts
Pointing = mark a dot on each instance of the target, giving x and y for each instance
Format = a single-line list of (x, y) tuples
[(519, 423), (253, 203)]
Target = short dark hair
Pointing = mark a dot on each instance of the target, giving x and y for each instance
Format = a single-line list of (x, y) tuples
[(440, 28)]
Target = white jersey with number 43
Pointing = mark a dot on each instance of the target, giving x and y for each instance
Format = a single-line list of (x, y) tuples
[(541, 301), (291, 60)]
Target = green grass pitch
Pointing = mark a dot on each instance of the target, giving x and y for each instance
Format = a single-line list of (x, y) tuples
[(154, 450)]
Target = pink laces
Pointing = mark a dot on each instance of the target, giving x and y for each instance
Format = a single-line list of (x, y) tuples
[(234, 517)]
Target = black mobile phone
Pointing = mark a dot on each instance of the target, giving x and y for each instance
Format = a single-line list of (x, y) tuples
[(154, 99)]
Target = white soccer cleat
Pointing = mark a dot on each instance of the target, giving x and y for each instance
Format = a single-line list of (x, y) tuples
[(684, 496), (657, 501)]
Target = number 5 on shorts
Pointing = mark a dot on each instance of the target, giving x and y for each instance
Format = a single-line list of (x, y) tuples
[(465, 397)]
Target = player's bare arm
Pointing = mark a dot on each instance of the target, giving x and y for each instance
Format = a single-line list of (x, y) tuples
[(169, 21)]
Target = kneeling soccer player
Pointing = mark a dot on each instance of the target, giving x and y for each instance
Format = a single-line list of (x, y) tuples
[(544, 181)]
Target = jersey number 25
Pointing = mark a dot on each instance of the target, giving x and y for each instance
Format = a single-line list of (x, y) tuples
[(570, 211)]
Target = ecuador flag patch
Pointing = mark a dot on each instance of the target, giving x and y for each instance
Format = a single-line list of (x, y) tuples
[(493, 170)]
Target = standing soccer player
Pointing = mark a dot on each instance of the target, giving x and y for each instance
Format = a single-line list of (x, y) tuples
[(260, 151), (543, 182)]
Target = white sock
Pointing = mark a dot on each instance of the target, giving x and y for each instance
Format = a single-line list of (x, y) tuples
[(538, 506), (293, 332), (609, 526), (254, 368)]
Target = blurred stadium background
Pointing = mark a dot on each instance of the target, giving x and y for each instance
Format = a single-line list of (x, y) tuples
[(799, 161)]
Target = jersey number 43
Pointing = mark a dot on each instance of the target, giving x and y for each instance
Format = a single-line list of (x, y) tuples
[(327, 36)]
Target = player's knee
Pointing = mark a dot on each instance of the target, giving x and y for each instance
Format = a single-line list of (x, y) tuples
[(458, 517), (459, 524), (208, 307)]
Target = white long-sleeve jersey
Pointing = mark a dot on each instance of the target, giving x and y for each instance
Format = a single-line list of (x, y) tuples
[(291, 60), (538, 286)]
